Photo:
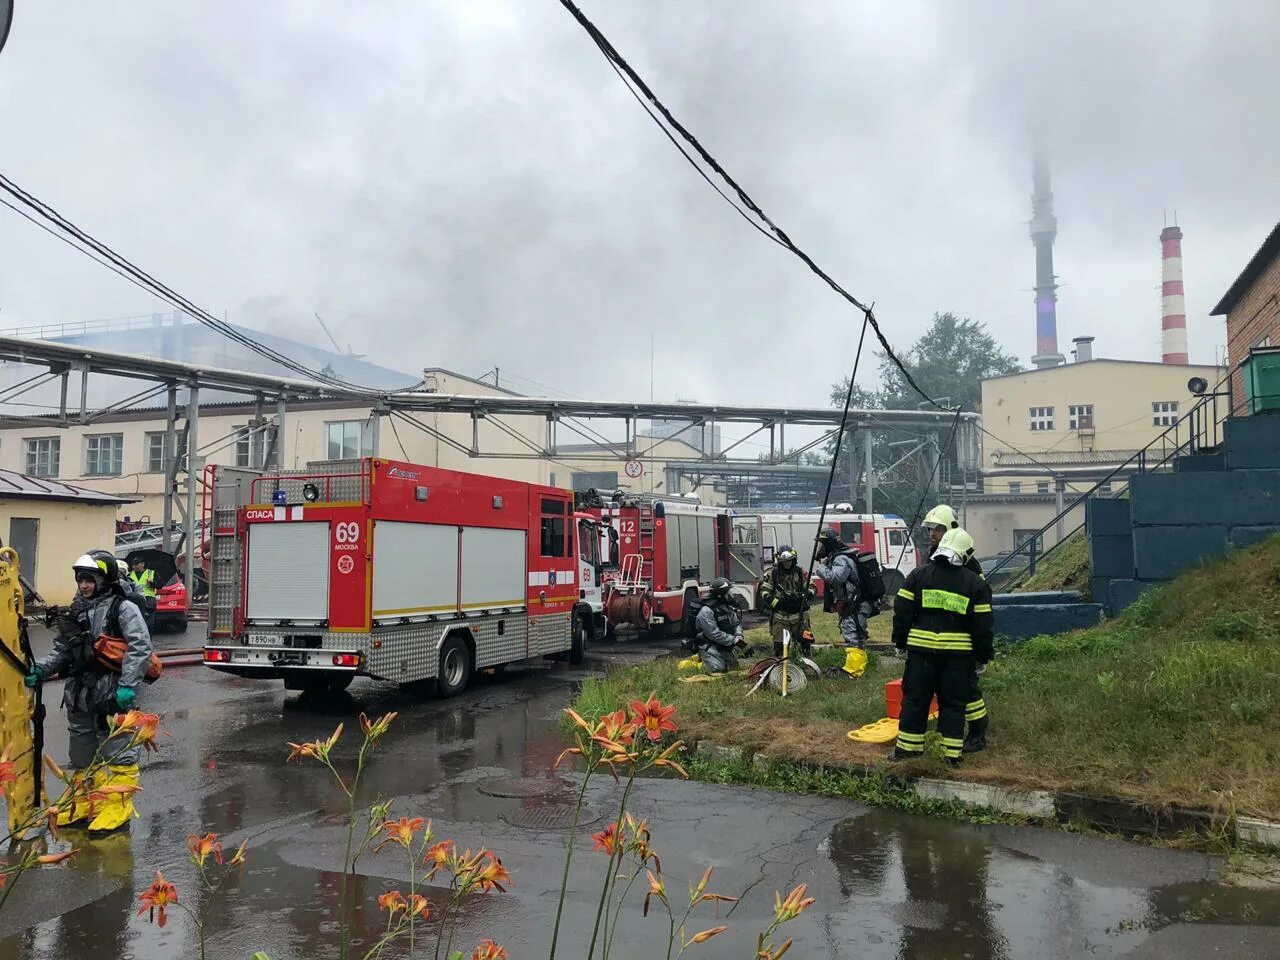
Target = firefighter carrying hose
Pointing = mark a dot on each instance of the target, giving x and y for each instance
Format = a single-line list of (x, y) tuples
[(105, 609), (942, 618), (938, 521), (719, 629), (786, 593), (838, 567)]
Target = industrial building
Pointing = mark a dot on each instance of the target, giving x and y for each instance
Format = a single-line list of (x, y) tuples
[(1252, 308)]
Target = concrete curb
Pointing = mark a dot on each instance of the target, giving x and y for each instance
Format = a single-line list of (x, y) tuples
[(1107, 813)]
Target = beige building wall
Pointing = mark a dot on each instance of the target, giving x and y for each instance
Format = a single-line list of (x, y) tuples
[(997, 525), (66, 530), (1121, 394), (657, 452)]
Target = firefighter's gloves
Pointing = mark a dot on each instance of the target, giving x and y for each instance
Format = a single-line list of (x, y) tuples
[(32, 679), (980, 669), (125, 697)]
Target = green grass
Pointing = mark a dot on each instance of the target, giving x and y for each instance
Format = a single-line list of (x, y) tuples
[(1177, 701), (1066, 568)]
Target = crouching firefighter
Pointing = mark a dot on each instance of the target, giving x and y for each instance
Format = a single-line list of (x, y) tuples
[(942, 618), (786, 592), (103, 650), (719, 630), (848, 595)]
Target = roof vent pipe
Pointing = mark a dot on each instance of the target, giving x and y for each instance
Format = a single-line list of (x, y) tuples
[(1084, 349)]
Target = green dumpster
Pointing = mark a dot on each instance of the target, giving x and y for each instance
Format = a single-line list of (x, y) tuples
[(1261, 370)]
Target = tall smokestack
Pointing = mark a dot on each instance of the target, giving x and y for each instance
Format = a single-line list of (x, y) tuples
[(1173, 305), (1044, 228)]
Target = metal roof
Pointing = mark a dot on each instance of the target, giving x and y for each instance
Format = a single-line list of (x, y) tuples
[(14, 485), (1269, 250)]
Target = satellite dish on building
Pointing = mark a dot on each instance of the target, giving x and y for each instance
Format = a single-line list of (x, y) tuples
[(6, 20)]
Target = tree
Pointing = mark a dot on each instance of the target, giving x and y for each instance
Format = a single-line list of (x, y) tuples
[(949, 362)]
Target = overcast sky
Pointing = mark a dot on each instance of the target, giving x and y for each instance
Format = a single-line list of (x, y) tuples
[(467, 184)]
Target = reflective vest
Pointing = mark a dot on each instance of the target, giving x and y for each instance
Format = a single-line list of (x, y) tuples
[(145, 583)]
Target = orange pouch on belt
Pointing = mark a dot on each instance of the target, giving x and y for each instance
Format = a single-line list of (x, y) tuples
[(109, 652)]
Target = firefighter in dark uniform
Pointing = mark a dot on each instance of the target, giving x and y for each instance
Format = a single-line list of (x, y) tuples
[(719, 630), (942, 618), (786, 592), (938, 521)]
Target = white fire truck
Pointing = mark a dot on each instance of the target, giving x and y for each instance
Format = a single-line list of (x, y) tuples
[(394, 571), (658, 555), (758, 536)]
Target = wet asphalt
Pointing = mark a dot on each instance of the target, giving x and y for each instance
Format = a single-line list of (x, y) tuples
[(888, 885)]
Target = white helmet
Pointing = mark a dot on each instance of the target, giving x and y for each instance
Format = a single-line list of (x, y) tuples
[(941, 516), (955, 547)]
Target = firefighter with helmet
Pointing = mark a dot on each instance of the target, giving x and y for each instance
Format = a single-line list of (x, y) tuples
[(942, 618), (938, 521), (838, 567), (719, 630), (104, 607), (786, 592)]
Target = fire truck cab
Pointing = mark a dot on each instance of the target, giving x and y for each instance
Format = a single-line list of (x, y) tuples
[(394, 571)]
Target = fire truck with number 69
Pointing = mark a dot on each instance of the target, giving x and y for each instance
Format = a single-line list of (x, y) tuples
[(394, 571)]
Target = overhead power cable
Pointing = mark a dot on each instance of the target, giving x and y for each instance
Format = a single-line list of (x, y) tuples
[(637, 87), (105, 255)]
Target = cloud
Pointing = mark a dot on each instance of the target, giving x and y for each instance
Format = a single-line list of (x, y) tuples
[(468, 185)]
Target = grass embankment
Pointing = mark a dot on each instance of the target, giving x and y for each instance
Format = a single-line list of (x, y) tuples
[(1177, 701), (1066, 568)]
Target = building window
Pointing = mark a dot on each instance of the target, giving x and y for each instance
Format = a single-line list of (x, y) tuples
[(104, 455), (1104, 486), (244, 446), (155, 451), (42, 456), (1022, 540), (350, 439), (1042, 418), (1081, 416), (1164, 413), (602, 480), (1015, 487), (1042, 486), (1264, 342)]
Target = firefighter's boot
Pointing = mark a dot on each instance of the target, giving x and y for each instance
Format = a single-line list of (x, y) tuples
[(78, 811), (855, 663), (976, 739), (115, 808)]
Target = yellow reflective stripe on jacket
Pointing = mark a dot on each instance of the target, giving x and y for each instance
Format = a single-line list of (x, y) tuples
[(945, 600), (930, 640), (906, 594), (982, 608)]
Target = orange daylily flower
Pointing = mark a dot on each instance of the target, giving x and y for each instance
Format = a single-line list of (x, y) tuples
[(201, 847), (375, 729), (141, 727), (616, 727), (419, 906), (664, 759), (579, 722), (493, 875), (401, 831), (391, 901), (438, 856), (315, 749), (606, 839), (157, 898), (795, 904), (706, 935), (48, 859), (8, 769), (488, 950), (652, 718)]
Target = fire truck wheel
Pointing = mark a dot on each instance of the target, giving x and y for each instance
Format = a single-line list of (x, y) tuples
[(578, 642), (455, 667)]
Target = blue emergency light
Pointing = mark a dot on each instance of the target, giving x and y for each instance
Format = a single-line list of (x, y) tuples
[(279, 498)]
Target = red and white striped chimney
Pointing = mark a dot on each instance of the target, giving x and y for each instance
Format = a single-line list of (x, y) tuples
[(1173, 305)]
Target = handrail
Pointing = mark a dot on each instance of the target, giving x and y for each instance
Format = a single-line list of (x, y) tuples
[(1197, 427)]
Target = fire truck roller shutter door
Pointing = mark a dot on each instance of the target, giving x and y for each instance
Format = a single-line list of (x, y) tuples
[(707, 565), (425, 584), (288, 576), (493, 569), (688, 546)]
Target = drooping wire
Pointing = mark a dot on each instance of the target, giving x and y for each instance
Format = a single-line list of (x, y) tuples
[(636, 83), (121, 266)]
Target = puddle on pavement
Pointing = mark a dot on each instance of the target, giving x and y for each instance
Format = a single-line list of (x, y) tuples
[(889, 885)]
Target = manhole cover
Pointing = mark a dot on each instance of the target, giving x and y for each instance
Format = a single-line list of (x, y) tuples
[(523, 788), (551, 816)]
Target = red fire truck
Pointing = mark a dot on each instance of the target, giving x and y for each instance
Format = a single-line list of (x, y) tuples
[(658, 555), (394, 571)]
